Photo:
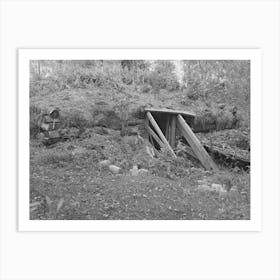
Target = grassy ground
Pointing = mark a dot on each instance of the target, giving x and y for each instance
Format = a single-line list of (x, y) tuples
[(85, 102), (67, 182)]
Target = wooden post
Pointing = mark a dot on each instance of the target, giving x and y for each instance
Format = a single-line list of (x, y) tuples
[(173, 131), (154, 135), (167, 129), (197, 148), (159, 132)]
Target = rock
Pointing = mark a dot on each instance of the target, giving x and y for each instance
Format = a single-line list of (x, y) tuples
[(217, 188), (214, 187), (234, 189), (134, 170), (114, 169), (204, 187), (143, 171), (201, 182), (105, 162)]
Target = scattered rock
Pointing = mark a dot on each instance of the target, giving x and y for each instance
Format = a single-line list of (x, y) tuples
[(143, 171), (105, 162), (234, 189), (204, 187), (134, 170), (114, 169), (217, 188), (213, 187)]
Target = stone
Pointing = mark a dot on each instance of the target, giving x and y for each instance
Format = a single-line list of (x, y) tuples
[(217, 188), (203, 187), (143, 171), (114, 169), (134, 170), (105, 162), (78, 151)]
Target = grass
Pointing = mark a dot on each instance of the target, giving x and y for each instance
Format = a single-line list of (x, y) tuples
[(69, 184)]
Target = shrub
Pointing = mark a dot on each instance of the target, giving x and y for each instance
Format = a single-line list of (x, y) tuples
[(34, 113), (75, 119), (56, 157)]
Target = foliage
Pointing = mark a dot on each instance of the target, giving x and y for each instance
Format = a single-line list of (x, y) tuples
[(34, 113), (59, 158), (75, 119), (59, 75), (162, 77), (223, 80)]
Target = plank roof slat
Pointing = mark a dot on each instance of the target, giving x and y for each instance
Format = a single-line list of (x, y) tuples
[(170, 111)]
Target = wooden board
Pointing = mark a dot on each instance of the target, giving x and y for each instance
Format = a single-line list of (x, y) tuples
[(159, 132), (197, 148), (173, 132), (167, 129), (154, 135), (169, 111)]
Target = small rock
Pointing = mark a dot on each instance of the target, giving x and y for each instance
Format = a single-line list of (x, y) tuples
[(234, 189), (114, 169), (201, 182), (143, 171), (217, 188), (105, 162), (203, 187), (134, 170)]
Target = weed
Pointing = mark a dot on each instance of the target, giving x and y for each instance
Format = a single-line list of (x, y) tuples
[(55, 157)]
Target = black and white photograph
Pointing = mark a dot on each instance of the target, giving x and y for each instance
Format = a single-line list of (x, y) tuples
[(139, 139)]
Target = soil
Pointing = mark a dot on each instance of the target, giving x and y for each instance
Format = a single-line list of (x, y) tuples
[(68, 182), (70, 174)]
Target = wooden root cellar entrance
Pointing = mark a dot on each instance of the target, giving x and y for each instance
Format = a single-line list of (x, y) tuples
[(162, 125)]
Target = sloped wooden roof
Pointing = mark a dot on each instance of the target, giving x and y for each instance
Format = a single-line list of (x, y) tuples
[(170, 111)]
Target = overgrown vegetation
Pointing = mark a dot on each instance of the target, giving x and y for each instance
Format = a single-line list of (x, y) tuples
[(98, 101)]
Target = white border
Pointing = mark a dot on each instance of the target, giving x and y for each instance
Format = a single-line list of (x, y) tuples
[(254, 55)]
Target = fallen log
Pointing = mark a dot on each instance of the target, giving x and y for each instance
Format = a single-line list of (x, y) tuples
[(53, 140), (229, 157)]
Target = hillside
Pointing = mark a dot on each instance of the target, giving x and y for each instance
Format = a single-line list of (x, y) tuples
[(69, 179)]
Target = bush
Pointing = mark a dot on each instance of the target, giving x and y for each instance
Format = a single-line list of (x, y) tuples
[(75, 119), (56, 157), (218, 80), (162, 77), (34, 113)]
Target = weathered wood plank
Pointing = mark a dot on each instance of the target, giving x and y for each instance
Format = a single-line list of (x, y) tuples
[(153, 134), (167, 129), (197, 148), (159, 132), (173, 132), (170, 111)]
